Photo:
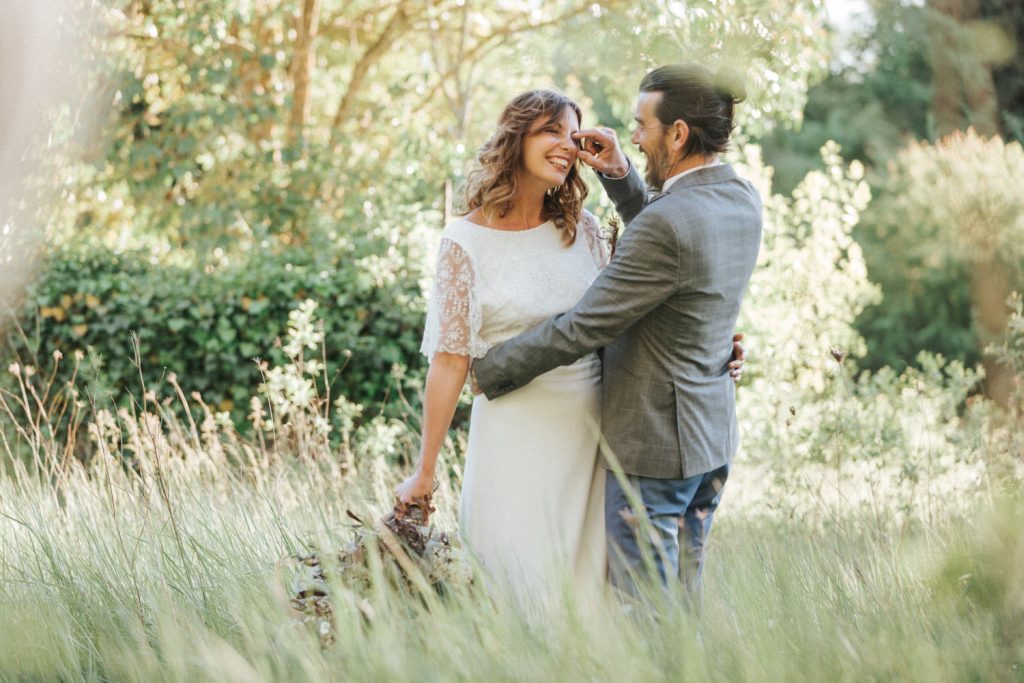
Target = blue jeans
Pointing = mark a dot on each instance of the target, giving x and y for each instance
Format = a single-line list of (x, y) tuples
[(672, 506)]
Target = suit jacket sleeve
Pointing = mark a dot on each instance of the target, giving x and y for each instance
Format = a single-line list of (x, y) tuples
[(643, 273), (629, 193)]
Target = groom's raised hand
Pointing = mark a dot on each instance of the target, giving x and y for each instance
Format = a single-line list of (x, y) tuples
[(599, 149)]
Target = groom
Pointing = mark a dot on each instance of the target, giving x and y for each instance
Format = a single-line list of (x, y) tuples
[(663, 310)]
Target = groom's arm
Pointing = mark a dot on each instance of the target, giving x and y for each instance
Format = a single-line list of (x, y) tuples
[(628, 193), (644, 272)]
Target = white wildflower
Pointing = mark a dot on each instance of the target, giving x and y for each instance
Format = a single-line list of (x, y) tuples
[(321, 425), (287, 389), (302, 331)]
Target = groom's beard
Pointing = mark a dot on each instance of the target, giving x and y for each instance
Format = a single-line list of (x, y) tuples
[(657, 162)]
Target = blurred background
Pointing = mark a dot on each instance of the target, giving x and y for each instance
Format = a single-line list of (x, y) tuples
[(190, 171), (217, 220)]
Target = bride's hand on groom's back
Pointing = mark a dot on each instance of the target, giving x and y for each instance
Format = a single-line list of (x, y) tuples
[(601, 151), (739, 357)]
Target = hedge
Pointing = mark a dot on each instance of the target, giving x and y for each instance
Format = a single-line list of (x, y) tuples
[(208, 327)]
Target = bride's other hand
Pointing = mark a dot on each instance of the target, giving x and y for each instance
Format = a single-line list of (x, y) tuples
[(601, 151), (416, 486), (739, 357)]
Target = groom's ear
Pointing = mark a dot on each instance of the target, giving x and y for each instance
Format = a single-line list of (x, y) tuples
[(680, 134)]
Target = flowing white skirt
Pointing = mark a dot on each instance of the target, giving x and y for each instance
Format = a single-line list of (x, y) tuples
[(532, 507)]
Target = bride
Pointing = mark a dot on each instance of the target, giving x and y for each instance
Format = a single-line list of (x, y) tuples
[(532, 500)]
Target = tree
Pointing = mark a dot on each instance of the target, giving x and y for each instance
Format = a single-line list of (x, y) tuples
[(303, 62), (242, 127), (912, 71), (921, 71), (965, 50), (962, 195)]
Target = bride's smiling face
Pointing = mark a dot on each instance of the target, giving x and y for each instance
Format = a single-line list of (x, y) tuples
[(549, 151)]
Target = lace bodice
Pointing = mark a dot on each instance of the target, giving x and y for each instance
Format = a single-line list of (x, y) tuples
[(491, 285)]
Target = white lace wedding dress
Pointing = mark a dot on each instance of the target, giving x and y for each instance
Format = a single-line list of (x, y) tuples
[(533, 492)]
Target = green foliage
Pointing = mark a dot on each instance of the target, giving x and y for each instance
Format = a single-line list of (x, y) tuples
[(1008, 77), (203, 155), (805, 412), (1011, 349), (207, 327), (951, 218), (879, 94), (966, 189), (905, 434), (878, 97), (926, 300), (810, 281)]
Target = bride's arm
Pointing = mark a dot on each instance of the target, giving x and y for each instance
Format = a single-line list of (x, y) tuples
[(445, 379), (451, 335)]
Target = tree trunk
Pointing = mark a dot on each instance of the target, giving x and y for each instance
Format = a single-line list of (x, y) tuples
[(254, 79), (982, 101), (302, 66), (946, 101), (395, 27), (965, 95), (964, 92), (990, 287)]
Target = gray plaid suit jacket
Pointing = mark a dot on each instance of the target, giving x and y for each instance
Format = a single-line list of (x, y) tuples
[(664, 310)]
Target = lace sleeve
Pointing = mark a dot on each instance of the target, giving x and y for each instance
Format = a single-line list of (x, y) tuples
[(453, 313), (592, 232)]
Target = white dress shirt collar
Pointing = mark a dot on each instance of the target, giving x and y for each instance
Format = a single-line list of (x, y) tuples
[(668, 183)]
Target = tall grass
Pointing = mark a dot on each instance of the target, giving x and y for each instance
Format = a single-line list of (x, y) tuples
[(156, 558), (106, 578)]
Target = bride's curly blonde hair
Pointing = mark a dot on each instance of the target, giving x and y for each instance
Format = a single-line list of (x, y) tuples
[(493, 184)]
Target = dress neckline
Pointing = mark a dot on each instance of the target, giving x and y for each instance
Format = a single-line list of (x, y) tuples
[(487, 227)]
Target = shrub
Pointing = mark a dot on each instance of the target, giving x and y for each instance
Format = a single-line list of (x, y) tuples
[(946, 243), (208, 328), (807, 414)]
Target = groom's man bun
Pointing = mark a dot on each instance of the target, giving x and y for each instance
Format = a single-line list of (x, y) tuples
[(703, 99)]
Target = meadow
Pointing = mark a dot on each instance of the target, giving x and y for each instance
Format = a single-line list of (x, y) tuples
[(159, 558)]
